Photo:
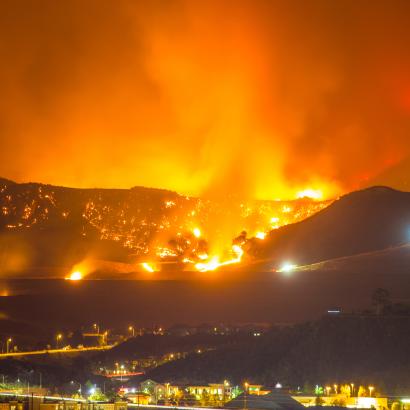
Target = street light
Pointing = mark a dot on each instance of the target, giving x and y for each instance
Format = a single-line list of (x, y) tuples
[(328, 388), (352, 386), (96, 327), (246, 385), (131, 330), (371, 388), (79, 384), (9, 340), (58, 338)]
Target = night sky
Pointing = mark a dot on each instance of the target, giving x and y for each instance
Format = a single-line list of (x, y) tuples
[(261, 98)]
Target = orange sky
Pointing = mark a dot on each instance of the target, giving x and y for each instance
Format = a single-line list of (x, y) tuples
[(260, 98)]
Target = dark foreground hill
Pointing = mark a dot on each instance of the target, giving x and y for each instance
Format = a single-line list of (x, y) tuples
[(363, 221), (361, 348)]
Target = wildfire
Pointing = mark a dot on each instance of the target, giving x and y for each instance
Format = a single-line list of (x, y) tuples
[(197, 232), (148, 267), (214, 262), (260, 235), (310, 193), (76, 275)]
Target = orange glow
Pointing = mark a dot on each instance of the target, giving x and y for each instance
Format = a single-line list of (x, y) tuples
[(197, 232), (310, 193), (214, 262), (148, 267), (82, 269), (76, 275), (260, 235), (237, 99)]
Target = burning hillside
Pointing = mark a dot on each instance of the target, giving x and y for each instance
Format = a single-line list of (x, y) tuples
[(150, 228)]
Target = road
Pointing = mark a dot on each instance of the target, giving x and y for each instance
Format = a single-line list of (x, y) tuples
[(54, 351), (60, 398)]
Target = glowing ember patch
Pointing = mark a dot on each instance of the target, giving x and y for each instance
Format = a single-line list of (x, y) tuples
[(197, 232), (310, 193), (148, 267), (214, 262), (76, 275), (261, 235)]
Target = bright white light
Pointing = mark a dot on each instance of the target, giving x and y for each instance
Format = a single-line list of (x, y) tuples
[(261, 235), (287, 267), (92, 390), (278, 386), (77, 275), (197, 232), (310, 193)]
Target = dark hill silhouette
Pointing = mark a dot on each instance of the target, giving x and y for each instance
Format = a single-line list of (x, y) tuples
[(366, 349), (363, 221)]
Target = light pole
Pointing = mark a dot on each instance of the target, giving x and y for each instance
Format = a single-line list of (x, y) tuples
[(79, 386), (352, 386), (96, 328), (131, 330), (371, 388), (58, 338), (9, 340), (246, 384)]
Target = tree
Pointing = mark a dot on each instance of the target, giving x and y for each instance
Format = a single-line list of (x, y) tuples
[(98, 395), (381, 300)]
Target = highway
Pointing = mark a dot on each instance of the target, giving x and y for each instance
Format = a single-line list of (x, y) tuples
[(54, 351)]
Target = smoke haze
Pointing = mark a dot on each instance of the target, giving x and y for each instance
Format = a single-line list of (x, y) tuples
[(255, 98)]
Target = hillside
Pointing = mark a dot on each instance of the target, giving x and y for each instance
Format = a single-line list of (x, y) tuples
[(365, 349), (49, 226), (363, 221), (394, 260)]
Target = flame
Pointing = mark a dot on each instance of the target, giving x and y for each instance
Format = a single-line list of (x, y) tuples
[(148, 267), (197, 232), (214, 263), (310, 193), (75, 275), (260, 235)]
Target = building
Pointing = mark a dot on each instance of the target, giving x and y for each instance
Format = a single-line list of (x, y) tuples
[(342, 400), (220, 391), (157, 391), (275, 400)]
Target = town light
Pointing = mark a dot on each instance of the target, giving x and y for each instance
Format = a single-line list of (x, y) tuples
[(9, 340), (371, 388)]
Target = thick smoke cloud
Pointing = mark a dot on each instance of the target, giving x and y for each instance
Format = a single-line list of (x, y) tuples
[(257, 98)]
